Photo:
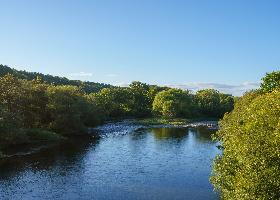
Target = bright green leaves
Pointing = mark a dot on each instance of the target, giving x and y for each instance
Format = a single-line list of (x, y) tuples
[(271, 81), (173, 103), (250, 164)]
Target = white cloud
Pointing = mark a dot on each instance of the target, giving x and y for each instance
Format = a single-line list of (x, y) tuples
[(122, 84), (236, 90)]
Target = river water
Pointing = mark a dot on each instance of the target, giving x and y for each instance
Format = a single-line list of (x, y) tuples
[(126, 163)]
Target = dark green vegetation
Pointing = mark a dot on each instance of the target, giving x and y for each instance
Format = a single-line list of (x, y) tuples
[(85, 86), (249, 167), (33, 110)]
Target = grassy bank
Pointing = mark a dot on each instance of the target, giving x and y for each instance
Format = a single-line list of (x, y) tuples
[(170, 121), (26, 137)]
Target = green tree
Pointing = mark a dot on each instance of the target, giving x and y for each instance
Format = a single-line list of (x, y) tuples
[(11, 94), (173, 103), (11, 110), (35, 100), (271, 81), (113, 102), (226, 104), (67, 107), (142, 99), (208, 102), (249, 167), (212, 103)]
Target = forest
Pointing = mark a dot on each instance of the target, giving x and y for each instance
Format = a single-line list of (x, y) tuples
[(42, 108)]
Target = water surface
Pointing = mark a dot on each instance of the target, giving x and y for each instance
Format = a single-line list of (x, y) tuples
[(155, 163)]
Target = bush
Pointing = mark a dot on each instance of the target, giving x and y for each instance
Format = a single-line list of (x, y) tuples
[(249, 167)]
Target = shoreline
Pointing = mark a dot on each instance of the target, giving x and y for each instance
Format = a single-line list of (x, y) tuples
[(121, 127)]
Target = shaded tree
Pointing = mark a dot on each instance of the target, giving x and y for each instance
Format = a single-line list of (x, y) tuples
[(212, 103), (142, 101), (67, 107)]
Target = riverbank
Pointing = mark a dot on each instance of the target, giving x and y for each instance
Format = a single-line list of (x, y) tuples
[(26, 142), (30, 141), (211, 123), (123, 127), (33, 141)]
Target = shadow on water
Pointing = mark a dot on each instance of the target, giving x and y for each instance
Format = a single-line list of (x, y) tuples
[(70, 152)]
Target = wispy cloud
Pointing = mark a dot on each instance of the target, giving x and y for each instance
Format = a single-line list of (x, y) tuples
[(122, 84), (236, 90), (81, 74)]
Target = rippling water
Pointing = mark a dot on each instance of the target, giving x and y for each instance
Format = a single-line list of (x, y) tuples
[(156, 163)]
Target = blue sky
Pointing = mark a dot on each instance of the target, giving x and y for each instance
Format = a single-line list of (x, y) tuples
[(228, 45)]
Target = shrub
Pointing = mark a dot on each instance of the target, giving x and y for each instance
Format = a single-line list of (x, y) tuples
[(249, 167)]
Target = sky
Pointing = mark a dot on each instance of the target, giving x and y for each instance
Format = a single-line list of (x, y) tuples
[(222, 44)]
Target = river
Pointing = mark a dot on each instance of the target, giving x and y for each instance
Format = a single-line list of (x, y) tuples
[(125, 163)]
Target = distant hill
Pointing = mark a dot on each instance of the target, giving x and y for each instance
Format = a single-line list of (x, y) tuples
[(87, 86)]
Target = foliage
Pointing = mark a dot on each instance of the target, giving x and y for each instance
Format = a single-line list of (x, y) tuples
[(212, 103), (173, 103), (271, 81), (113, 102), (85, 86), (142, 99), (40, 135), (66, 106), (226, 104), (249, 167), (11, 93), (11, 103), (34, 110)]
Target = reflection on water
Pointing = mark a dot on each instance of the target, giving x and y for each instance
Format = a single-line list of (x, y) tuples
[(202, 134), (158, 163), (169, 133)]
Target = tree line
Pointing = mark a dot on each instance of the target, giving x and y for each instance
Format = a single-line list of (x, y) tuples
[(36, 110), (249, 167), (85, 86)]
